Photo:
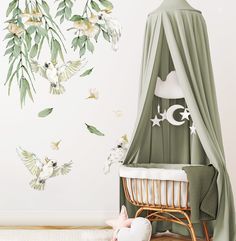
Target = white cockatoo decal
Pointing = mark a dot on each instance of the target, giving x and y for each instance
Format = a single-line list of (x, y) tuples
[(113, 28), (56, 74), (42, 170), (117, 153)]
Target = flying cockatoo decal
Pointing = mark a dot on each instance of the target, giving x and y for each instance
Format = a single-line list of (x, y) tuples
[(56, 74), (42, 170)]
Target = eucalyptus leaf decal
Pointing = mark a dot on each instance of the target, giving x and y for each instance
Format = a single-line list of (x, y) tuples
[(45, 112), (94, 130), (87, 72)]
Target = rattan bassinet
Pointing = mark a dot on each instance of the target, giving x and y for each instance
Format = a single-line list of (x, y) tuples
[(163, 191)]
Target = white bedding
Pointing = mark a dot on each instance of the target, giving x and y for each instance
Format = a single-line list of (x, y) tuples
[(153, 173), (167, 177)]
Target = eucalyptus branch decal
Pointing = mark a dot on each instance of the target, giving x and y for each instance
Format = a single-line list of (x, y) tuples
[(95, 19), (17, 50), (31, 27), (27, 31)]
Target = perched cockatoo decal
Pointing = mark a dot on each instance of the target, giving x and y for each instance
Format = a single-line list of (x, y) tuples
[(42, 170), (56, 74), (113, 27)]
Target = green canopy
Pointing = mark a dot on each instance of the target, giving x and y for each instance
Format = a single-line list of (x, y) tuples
[(176, 39)]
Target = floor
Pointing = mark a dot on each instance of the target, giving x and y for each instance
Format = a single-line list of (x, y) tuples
[(70, 235), (169, 237)]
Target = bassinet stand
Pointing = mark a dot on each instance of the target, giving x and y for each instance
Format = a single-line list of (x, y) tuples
[(161, 212)]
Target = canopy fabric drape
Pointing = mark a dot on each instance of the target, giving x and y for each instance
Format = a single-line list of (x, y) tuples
[(176, 39)]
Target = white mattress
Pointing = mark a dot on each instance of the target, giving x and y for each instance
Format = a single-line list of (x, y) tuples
[(167, 178)]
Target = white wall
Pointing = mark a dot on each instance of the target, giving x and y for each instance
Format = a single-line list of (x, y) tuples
[(86, 196)]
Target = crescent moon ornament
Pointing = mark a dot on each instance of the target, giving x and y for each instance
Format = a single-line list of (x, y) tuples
[(170, 115)]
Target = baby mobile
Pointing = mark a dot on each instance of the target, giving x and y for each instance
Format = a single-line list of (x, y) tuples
[(167, 89), (171, 89)]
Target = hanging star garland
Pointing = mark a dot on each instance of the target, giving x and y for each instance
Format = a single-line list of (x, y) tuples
[(193, 130), (164, 115), (185, 114), (156, 121)]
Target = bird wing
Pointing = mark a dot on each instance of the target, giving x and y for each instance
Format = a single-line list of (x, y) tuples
[(36, 185), (63, 170), (67, 70), (38, 68), (31, 161)]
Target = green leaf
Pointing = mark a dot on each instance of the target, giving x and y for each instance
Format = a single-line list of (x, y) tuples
[(24, 90), (75, 18), (10, 70), (90, 46), (87, 72), (59, 37), (74, 43), (61, 53), (28, 40), (45, 7), (55, 50), (69, 3), (107, 4), (37, 38), (31, 29), (34, 51), (9, 35), (17, 40), (9, 51), (82, 51), (95, 6), (60, 13), (45, 112), (17, 11), (17, 50), (10, 81), (62, 19), (106, 35), (94, 130), (10, 43), (81, 40), (11, 6), (27, 72), (61, 5), (40, 46), (55, 25), (68, 13), (42, 31)]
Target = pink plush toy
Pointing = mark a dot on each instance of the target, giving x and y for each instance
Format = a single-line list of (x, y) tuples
[(123, 221)]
